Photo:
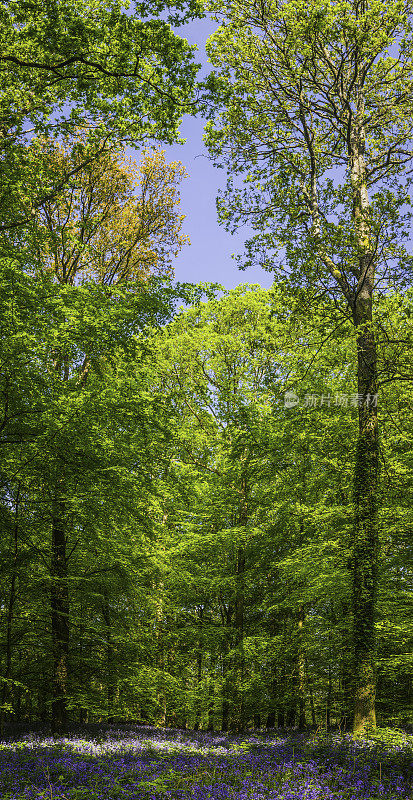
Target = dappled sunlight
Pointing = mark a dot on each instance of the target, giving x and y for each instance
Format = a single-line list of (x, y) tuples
[(155, 764)]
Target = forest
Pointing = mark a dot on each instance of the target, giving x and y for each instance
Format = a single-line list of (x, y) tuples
[(206, 493)]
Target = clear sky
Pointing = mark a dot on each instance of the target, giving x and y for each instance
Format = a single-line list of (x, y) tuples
[(208, 258)]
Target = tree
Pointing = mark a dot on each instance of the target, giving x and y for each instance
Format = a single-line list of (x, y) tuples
[(251, 508), (114, 222), (65, 68), (317, 116), (69, 65), (172, 430), (77, 456)]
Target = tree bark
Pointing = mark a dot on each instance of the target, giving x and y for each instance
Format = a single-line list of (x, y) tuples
[(310, 693), (239, 638), (302, 722), (159, 639), (271, 716), (366, 471), (199, 664), (227, 666), (291, 714), (211, 701), (365, 540), (225, 698), (59, 617), (239, 660), (10, 612), (282, 690), (110, 686), (328, 699)]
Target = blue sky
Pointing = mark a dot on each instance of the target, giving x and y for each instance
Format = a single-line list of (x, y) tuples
[(209, 256)]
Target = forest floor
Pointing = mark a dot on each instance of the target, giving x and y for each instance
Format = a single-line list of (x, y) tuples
[(142, 763)]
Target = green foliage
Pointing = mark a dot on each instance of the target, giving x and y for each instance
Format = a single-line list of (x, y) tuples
[(389, 737), (70, 66), (296, 88), (177, 538), (189, 488)]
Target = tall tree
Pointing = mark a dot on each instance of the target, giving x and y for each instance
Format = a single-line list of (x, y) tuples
[(76, 462), (317, 117), (113, 223)]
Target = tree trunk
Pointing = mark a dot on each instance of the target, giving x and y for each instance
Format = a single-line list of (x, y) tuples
[(366, 471), (227, 678), (199, 663), (110, 686), (159, 638), (282, 690), (365, 541), (270, 723), (227, 612), (310, 694), (271, 716), (291, 714), (211, 701), (328, 699), (302, 723), (10, 611), (227, 672), (225, 715), (346, 667), (60, 618), (239, 639)]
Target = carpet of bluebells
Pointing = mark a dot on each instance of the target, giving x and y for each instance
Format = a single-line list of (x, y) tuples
[(142, 763)]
